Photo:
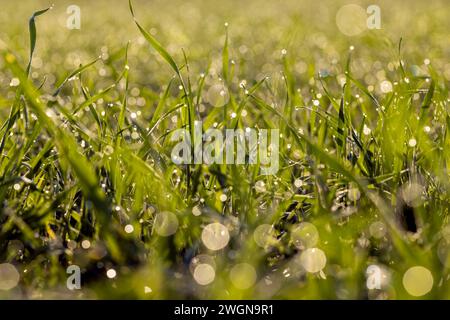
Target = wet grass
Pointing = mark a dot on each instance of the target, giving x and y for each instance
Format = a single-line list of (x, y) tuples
[(87, 176)]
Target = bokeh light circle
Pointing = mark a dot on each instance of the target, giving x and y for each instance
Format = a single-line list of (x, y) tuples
[(166, 223), (243, 276), (217, 95), (215, 236), (305, 235), (378, 229), (9, 276), (313, 260), (204, 274), (262, 235)]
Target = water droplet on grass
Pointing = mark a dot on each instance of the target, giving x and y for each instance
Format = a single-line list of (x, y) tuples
[(412, 142), (305, 235), (14, 82), (217, 95), (386, 86), (378, 229)]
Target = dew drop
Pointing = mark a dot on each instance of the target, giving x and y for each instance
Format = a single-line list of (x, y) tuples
[(217, 95), (147, 290), (386, 86), (196, 211), (129, 228)]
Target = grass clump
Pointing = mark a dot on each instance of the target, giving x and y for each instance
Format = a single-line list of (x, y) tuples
[(87, 177)]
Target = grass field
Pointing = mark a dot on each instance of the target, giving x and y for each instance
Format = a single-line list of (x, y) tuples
[(359, 208)]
